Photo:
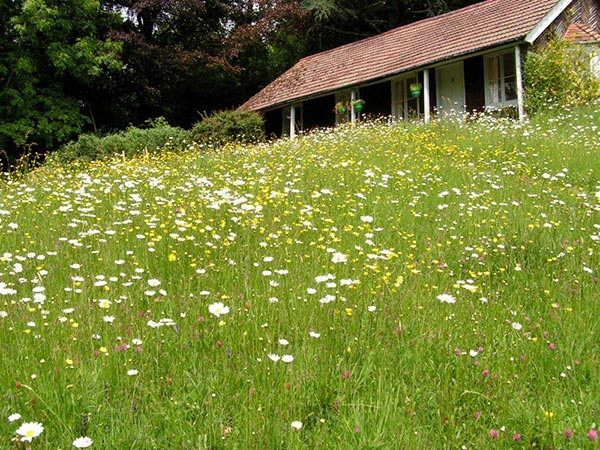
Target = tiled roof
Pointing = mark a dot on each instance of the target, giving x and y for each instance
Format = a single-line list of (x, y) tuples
[(580, 33), (463, 31)]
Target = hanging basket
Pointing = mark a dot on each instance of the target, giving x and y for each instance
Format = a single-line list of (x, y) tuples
[(415, 89), (358, 107), (341, 108)]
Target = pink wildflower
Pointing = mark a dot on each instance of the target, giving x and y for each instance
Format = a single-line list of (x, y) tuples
[(568, 433)]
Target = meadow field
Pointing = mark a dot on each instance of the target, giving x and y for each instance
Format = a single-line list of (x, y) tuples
[(387, 286)]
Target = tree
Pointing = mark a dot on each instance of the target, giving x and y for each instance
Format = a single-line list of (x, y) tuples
[(186, 57), (53, 51), (267, 37), (174, 61), (337, 22)]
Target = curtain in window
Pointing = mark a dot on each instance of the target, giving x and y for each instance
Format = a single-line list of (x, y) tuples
[(493, 80)]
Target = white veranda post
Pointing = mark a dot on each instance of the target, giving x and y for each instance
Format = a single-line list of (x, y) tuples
[(352, 110), (426, 104), (519, 83), (292, 122)]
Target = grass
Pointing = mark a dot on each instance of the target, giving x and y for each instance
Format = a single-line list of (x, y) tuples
[(332, 252)]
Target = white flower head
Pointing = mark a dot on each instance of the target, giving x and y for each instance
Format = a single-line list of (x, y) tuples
[(296, 425), (82, 442), (273, 357), (14, 417), (287, 358), (339, 257), (446, 298), (218, 309), (104, 303), (29, 430)]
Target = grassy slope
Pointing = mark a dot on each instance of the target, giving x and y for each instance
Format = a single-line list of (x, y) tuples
[(503, 217)]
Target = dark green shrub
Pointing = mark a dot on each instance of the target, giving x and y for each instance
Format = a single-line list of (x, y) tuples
[(229, 126), (131, 142), (558, 74)]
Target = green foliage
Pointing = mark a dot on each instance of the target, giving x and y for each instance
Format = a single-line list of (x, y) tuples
[(52, 52), (131, 142), (558, 74), (230, 126)]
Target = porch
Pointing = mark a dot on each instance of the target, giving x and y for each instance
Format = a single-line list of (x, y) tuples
[(477, 83)]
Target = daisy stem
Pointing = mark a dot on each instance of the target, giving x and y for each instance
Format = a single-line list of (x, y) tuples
[(48, 407)]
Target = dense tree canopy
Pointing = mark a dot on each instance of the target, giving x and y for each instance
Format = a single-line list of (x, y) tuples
[(52, 52), (336, 22), (98, 65)]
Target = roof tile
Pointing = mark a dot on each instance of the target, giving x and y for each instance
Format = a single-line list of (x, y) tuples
[(580, 33), (467, 30)]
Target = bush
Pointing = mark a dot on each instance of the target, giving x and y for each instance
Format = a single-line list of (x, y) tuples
[(229, 126), (131, 142), (559, 74)]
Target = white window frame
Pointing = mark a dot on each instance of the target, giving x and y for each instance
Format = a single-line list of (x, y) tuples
[(501, 102)]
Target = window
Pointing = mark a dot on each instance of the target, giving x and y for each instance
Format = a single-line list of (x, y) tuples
[(404, 105), (500, 80)]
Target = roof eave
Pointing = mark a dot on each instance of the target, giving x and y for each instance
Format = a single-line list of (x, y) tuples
[(552, 15), (428, 65)]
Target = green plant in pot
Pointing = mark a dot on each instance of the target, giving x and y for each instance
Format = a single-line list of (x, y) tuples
[(358, 104), (415, 89), (342, 108)]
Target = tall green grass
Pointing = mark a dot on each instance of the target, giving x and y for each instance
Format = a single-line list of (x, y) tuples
[(330, 252)]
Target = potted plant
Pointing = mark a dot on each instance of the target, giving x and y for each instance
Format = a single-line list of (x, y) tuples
[(342, 108), (415, 89), (358, 104)]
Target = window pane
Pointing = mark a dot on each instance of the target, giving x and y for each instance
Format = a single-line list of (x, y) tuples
[(493, 78), (510, 89), (398, 98), (509, 64)]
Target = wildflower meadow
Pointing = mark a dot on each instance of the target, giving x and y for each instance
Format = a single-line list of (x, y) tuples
[(384, 286)]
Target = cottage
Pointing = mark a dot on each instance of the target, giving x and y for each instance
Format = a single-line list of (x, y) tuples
[(464, 60)]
